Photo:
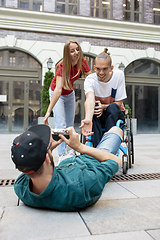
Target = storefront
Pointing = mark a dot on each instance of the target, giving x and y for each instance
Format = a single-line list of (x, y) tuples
[(20, 86), (143, 88)]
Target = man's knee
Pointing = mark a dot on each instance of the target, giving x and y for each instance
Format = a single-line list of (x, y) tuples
[(112, 108), (116, 129)]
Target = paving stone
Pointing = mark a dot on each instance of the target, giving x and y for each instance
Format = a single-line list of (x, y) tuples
[(150, 168), (146, 188), (126, 210), (123, 215), (155, 234), (9, 174), (138, 235), (7, 197), (28, 223), (1, 212), (5, 152), (113, 190)]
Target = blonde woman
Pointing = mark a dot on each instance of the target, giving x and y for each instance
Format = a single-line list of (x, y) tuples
[(62, 95)]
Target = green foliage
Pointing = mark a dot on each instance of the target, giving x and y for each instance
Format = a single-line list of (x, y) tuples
[(45, 94), (127, 107)]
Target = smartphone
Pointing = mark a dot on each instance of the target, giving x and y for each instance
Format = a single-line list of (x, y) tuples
[(56, 132)]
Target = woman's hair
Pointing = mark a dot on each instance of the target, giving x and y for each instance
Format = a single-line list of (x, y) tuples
[(67, 63), (105, 54)]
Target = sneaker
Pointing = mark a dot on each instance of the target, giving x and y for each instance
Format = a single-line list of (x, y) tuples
[(72, 152), (61, 158)]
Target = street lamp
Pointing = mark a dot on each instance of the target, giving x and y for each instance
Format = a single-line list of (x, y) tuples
[(49, 64), (121, 66)]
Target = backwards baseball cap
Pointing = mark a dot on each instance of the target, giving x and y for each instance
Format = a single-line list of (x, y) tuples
[(29, 149)]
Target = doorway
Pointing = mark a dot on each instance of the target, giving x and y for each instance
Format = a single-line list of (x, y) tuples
[(20, 87), (142, 85), (144, 102), (21, 105)]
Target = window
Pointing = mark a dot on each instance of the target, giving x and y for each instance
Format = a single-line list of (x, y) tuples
[(33, 63), (0, 60), (24, 5), (30, 94), (143, 67), (156, 11), (2, 3), (101, 8), (67, 6), (146, 67), (90, 60), (17, 93), (12, 61), (36, 5), (38, 95), (133, 10), (15, 58)]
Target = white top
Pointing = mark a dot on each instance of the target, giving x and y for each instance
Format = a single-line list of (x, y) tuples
[(107, 92)]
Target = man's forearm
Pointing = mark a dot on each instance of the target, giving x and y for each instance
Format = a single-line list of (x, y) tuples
[(89, 105), (119, 103), (89, 109), (104, 106), (98, 154)]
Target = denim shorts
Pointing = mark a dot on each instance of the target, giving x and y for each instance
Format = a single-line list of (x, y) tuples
[(110, 142)]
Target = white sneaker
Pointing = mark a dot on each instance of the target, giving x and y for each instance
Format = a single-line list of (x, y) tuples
[(61, 158), (72, 152)]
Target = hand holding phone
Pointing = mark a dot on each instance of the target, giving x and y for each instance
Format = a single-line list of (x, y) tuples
[(56, 132)]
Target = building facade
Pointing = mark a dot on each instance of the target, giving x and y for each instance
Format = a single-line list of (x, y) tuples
[(31, 31)]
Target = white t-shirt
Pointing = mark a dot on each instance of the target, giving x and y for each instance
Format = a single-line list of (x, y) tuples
[(107, 92)]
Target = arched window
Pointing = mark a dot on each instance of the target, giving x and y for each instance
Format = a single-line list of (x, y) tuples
[(143, 85), (143, 66), (14, 58), (20, 88)]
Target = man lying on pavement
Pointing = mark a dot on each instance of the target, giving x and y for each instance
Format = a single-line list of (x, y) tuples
[(77, 182)]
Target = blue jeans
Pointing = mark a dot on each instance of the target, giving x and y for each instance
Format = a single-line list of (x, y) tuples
[(107, 120), (110, 142), (64, 112)]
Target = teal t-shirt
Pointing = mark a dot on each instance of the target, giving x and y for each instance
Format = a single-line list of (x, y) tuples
[(76, 183)]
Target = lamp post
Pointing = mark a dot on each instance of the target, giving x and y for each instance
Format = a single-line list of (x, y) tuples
[(121, 66), (49, 64)]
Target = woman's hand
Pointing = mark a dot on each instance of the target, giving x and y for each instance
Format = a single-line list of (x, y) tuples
[(45, 119)]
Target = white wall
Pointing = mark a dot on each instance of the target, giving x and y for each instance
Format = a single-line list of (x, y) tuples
[(43, 50)]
